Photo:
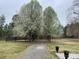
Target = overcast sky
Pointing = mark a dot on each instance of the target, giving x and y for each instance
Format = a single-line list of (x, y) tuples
[(11, 7)]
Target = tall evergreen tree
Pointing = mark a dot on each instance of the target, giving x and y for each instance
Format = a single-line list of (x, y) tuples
[(29, 19), (52, 25), (8, 30), (2, 20)]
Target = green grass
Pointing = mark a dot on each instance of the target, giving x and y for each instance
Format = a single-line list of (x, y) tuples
[(10, 49), (70, 45)]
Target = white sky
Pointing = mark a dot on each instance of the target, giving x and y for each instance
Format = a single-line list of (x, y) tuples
[(11, 7)]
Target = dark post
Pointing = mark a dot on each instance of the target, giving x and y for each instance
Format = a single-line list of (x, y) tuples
[(57, 49), (66, 54)]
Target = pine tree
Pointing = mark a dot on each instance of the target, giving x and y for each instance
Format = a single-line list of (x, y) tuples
[(52, 27), (29, 19)]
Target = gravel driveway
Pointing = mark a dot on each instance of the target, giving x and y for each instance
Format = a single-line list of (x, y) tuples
[(36, 51)]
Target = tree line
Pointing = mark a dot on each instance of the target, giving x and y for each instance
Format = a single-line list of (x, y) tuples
[(72, 28), (32, 22)]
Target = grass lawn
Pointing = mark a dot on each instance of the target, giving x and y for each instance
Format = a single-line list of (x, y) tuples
[(10, 49), (71, 45)]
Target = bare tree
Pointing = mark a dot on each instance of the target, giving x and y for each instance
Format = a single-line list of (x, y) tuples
[(73, 12)]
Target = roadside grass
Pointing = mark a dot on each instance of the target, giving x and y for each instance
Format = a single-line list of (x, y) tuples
[(72, 45), (10, 49)]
